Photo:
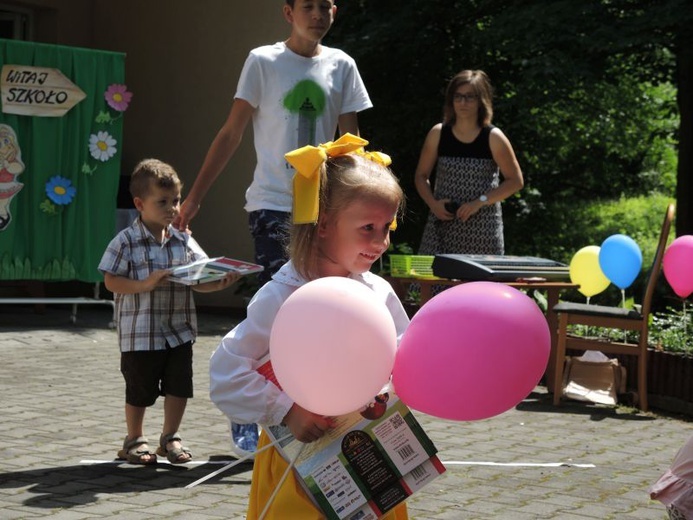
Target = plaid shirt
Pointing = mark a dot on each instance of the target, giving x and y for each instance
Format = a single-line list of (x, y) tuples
[(149, 320)]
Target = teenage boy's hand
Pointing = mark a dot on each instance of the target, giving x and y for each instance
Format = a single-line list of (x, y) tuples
[(187, 212)]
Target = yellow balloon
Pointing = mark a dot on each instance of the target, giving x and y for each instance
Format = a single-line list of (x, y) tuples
[(585, 271)]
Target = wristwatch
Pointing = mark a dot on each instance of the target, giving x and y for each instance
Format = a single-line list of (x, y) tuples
[(483, 199)]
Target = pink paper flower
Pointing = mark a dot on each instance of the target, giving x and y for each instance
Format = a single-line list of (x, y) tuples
[(118, 97)]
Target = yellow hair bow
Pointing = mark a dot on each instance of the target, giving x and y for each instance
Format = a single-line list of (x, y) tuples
[(379, 157), (307, 161), (383, 159)]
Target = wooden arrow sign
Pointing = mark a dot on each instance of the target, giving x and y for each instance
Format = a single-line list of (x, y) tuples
[(37, 91)]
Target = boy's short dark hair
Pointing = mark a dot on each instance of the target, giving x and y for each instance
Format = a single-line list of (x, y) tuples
[(153, 172)]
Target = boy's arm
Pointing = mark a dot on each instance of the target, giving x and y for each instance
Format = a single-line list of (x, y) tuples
[(124, 285), (348, 122), (219, 285), (220, 152)]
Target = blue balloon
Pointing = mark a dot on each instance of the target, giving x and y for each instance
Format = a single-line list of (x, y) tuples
[(620, 259)]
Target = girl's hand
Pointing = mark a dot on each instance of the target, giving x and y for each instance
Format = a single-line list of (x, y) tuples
[(306, 426)]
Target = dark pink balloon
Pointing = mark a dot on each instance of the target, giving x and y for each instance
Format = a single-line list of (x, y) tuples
[(678, 265), (472, 352)]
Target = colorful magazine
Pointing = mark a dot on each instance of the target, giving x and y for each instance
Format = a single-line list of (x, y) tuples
[(211, 270), (372, 460)]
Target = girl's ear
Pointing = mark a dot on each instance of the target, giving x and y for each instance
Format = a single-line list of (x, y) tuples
[(323, 224)]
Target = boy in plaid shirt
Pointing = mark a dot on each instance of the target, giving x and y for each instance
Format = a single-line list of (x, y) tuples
[(156, 319)]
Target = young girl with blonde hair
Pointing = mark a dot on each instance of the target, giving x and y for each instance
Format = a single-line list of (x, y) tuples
[(346, 202)]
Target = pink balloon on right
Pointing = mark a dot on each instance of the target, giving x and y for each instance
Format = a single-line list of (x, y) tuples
[(471, 352), (676, 265)]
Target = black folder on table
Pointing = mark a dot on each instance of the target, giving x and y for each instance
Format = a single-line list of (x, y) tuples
[(501, 268)]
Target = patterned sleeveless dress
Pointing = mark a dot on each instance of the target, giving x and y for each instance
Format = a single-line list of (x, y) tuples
[(465, 171)]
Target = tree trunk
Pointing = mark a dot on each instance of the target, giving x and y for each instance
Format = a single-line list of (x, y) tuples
[(684, 177)]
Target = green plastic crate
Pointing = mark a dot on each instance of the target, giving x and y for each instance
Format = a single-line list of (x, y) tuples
[(411, 266)]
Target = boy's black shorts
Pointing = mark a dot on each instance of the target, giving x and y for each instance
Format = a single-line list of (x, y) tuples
[(160, 372)]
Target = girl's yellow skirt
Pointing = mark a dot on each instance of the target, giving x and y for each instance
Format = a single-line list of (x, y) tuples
[(290, 502)]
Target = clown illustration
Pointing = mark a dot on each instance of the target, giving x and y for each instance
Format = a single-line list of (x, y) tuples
[(11, 166)]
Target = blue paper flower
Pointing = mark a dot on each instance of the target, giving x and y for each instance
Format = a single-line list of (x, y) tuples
[(60, 190)]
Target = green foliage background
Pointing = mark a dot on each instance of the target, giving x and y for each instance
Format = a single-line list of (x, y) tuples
[(584, 90)]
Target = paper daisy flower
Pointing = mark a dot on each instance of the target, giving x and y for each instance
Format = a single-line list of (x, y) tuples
[(118, 97), (60, 190), (102, 146)]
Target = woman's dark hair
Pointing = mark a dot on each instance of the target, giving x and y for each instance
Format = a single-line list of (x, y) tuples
[(482, 88)]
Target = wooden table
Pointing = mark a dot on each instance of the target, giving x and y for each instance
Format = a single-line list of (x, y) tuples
[(552, 289)]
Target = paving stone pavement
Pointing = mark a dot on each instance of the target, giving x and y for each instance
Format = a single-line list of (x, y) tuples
[(62, 423)]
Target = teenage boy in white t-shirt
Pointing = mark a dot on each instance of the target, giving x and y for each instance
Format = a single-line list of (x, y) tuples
[(297, 92)]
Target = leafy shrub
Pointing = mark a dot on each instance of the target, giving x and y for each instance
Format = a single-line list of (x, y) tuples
[(583, 223), (672, 331)]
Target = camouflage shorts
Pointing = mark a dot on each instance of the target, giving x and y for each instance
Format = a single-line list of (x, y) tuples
[(270, 231)]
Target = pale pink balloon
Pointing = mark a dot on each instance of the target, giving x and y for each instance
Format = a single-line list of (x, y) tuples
[(677, 265), (472, 352), (333, 345)]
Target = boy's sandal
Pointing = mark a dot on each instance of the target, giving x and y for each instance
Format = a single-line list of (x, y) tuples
[(173, 455), (133, 454)]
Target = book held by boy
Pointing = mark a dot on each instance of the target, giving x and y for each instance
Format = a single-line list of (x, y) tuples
[(370, 461), (211, 270)]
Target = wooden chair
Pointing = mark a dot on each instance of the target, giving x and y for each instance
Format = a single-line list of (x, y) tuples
[(611, 317)]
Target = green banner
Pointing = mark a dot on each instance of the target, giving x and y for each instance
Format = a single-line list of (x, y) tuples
[(59, 173)]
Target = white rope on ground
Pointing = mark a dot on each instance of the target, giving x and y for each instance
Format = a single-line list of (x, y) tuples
[(234, 463), (190, 463), (518, 464)]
